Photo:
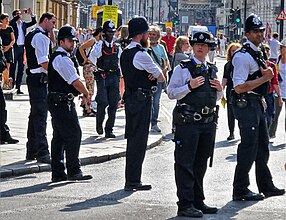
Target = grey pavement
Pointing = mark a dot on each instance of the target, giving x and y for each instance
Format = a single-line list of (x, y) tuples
[(94, 148)]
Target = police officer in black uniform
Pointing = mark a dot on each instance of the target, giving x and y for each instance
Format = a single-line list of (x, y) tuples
[(64, 85), (107, 79), (139, 74), (251, 82), (37, 44), (195, 85)]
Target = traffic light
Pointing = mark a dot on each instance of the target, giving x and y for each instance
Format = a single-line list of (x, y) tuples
[(231, 16), (237, 16), (176, 19)]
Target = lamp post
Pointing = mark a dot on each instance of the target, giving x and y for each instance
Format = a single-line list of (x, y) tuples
[(277, 23), (281, 22)]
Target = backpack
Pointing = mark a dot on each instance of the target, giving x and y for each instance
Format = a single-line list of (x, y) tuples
[(79, 56)]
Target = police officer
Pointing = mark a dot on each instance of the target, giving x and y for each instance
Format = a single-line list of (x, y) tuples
[(107, 79), (139, 73), (251, 81), (195, 86), (37, 45), (64, 85)]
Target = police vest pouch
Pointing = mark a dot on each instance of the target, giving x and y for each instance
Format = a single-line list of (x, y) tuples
[(44, 78), (57, 97)]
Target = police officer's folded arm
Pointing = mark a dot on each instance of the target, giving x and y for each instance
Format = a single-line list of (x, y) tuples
[(267, 74), (80, 87)]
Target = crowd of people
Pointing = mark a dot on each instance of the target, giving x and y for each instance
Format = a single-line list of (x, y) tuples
[(132, 65)]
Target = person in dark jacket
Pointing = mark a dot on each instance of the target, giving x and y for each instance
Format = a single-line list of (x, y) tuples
[(20, 29)]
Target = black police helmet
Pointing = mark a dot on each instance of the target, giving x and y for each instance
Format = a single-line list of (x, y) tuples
[(108, 26), (67, 32), (137, 26), (202, 37), (253, 22)]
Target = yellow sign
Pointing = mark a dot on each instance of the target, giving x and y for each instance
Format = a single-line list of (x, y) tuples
[(110, 12), (95, 8), (169, 24)]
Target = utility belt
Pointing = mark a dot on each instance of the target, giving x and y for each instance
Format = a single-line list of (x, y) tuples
[(240, 100), (43, 77), (140, 93), (100, 73), (185, 114), (58, 97)]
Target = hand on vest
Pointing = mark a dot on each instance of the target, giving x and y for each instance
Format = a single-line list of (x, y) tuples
[(196, 82), (267, 73), (215, 83)]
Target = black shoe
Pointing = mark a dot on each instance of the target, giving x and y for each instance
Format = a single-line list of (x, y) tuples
[(110, 135), (205, 209), (250, 196), (99, 129), (19, 92), (137, 187), (274, 192), (79, 176), (230, 137), (190, 212), (9, 140), (59, 179), (44, 159), (30, 157)]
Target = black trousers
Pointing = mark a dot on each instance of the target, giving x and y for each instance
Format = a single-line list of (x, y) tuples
[(230, 117), (18, 60), (253, 148), (66, 138), (37, 144), (136, 131), (107, 95), (193, 146), (3, 117)]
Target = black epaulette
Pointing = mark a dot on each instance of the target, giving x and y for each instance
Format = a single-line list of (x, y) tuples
[(138, 46), (185, 63), (63, 54), (244, 48)]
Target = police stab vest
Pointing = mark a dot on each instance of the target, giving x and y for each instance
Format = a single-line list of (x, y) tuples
[(109, 58), (258, 57), (30, 50), (56, 83), (204, 95), (133, 77)]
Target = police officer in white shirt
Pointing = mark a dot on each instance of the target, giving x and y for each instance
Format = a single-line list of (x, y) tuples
[(251, 82), (139, 74), (195, 86), (107, 53), (64, 85), (37, 44)]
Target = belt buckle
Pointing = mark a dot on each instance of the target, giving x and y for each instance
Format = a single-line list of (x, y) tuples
[(205, 110), (154, 89), (197, 116), (70, 96)]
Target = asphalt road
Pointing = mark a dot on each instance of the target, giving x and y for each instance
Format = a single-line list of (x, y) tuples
[(35, 197)]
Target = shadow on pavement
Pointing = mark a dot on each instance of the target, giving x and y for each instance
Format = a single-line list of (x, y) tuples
[(229, 211), (32, 189), (103, 200)]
